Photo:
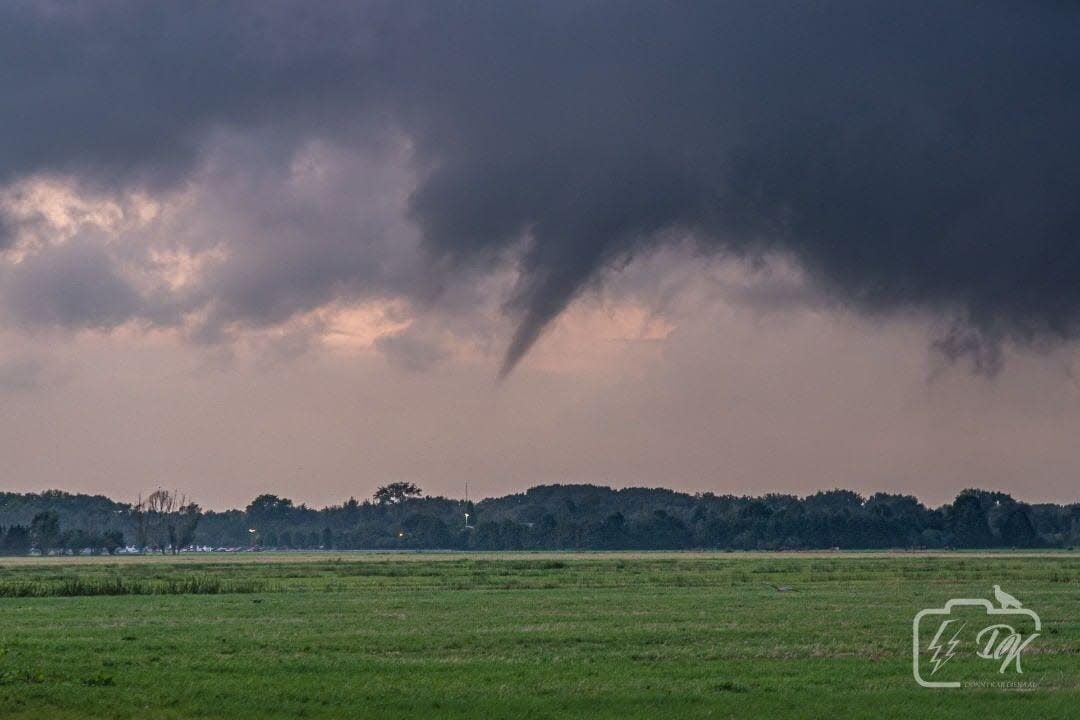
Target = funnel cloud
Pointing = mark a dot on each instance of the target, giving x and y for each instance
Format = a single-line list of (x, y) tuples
[(908, 156)]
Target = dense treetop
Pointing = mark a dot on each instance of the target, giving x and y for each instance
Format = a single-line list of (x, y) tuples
[(549, 517)]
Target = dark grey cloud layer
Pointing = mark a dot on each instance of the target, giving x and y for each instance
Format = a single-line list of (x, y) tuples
[(917, 155), (73, 285)]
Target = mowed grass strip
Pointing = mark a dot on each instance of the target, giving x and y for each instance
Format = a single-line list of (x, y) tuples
[(516, 635)]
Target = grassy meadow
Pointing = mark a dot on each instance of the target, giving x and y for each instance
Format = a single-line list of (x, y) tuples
[(515, 635)]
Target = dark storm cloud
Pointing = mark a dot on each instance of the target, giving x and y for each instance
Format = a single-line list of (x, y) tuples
[(70, 286), (6, 231), (127, 91), (916, 155), (908, 154)]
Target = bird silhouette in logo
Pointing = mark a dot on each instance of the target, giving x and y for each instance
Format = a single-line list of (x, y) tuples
[(1007, 601)]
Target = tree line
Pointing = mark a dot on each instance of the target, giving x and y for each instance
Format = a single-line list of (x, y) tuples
[(548, 517)]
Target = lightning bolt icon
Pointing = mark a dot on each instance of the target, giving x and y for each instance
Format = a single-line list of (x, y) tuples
[(936, 645)]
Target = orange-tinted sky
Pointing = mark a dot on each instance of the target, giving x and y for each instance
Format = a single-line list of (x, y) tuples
[(713, 393)]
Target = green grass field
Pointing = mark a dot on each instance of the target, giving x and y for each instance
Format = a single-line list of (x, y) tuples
[(516, 635)]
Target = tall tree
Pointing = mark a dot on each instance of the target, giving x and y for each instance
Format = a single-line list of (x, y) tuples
[(396, 493), (45, 531), (970, 526), (1016, 527), (165, 521)]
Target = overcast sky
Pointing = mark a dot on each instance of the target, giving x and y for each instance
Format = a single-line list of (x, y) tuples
[(736, 247)]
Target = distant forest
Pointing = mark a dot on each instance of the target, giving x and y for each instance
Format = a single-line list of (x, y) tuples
[(549, 517)]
